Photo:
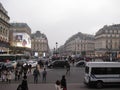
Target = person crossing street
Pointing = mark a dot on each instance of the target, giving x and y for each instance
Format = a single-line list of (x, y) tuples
[(36, 74)]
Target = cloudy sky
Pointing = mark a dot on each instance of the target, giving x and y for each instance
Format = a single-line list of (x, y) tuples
[(60, 19)]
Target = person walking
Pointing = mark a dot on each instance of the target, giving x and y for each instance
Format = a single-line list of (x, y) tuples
[(68, 70), (30, 68), (16, 74), (3, 76), (9, 76), (36, 73), (63, 83), (44, 74), (24, 84)]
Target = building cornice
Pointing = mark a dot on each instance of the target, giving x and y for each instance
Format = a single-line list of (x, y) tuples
[(4, 22)]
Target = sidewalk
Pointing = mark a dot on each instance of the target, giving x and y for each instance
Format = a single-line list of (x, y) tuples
[(74, 86)]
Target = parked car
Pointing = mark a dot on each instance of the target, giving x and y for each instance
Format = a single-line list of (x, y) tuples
[(9, 66), (21, 62), (2, 65), (80, 63), (32, 63), (58, 64), (6, 65), (14, 63)]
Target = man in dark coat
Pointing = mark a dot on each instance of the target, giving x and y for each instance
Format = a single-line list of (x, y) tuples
[(36, 73), (24, 84), (63, 83)]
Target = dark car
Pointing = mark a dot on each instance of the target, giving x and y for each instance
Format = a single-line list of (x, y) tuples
[(81, 63), (2, 65), (58, 64), (9, 66), (21, 62)]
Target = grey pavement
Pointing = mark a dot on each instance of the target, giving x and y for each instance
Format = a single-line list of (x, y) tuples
[(38, 86), (71, 86)]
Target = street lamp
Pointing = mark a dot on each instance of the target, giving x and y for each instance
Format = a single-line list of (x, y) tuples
[(56, 48)]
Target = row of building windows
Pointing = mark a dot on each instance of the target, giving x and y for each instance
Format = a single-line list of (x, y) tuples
[(4, 17), (43, 41), (112, 31), (4, 30), (108, 36)]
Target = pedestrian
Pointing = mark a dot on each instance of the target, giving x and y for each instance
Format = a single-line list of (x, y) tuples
[(58, 85), (24, 84), (73, 61), (9, 76), (25, 68), (16, 74), (36, 73), (63, 83), (68, 70), (30, 68), (44, 74), (3, 76)]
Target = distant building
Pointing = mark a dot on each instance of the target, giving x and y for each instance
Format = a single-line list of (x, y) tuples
[(107, 41), (20, 40), (61, 50), (40, 47), (4, 30), (80, 44)]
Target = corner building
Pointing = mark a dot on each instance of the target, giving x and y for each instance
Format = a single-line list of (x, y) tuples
[(80, 44), (40, 47), (20, 40), (107, 41)]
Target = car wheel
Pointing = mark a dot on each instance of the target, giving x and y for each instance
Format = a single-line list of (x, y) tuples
[(99, 84), (51, 66)]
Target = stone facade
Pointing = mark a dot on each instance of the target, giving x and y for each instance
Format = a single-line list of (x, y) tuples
[(4, 30), (20, 40), (40, 45), (107, 41), (82, 44)]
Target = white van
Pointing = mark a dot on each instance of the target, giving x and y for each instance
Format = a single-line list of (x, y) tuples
[(101, 73)]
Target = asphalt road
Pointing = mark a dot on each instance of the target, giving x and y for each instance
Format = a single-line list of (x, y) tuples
[(76, 76), (74, 81)]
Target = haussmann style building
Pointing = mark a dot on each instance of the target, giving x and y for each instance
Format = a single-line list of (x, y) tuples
[(4, 30), (20, 41), (107, 42), (40, 47), (80, 44)]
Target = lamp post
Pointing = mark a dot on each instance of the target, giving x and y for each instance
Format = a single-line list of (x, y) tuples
[(56, 48)]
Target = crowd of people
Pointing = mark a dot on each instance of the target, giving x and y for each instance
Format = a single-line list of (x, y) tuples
[(21, 73), (8, 75)]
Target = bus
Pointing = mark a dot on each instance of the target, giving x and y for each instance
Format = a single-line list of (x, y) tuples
[(12, 57), (102, 73)]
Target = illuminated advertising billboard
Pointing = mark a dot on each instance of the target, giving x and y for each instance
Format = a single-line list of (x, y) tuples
[(21, 40)]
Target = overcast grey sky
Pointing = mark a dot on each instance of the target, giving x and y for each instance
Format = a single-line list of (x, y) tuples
[(60, 19)]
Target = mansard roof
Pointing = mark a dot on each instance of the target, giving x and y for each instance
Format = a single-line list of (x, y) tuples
[(81, 36), (3, 9), (38, 34), (106, 27)]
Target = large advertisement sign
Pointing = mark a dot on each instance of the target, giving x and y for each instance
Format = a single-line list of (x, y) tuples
[(21, 40)]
